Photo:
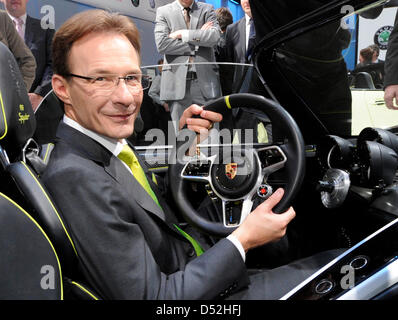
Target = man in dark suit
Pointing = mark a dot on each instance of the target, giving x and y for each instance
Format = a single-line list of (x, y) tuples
[(239, 42), (391, 68), (129, 243), (240, 38), (38, 38)]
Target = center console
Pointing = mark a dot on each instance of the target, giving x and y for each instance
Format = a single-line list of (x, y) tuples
[(369, 270)]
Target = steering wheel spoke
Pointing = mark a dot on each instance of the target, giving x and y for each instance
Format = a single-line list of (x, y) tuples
[(198, 169), (236, 211), (272, 159)]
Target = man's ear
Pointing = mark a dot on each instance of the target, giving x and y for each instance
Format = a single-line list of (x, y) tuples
[(61, 88)]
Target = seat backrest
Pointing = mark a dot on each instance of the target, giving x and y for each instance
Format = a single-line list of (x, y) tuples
[(30, 268), (363, 80), (17, 126), (45, 211), (48, 115)]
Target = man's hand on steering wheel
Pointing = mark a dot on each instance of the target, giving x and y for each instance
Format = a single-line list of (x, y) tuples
[(205, 122), (262, 225)]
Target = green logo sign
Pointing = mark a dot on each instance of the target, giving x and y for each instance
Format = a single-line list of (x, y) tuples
[(382, 36)]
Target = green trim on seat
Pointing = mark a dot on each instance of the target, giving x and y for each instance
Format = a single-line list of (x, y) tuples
[(85, 290), (4, 116), (49, 145), (52, 205)]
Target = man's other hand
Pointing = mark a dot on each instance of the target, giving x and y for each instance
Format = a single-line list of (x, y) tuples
[(391, 93), (202, 124), (176, 34), (207, 25)]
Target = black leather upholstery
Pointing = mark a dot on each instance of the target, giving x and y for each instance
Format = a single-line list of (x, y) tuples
[(46, 213), (48, 115), (30, 267), (363, 80)]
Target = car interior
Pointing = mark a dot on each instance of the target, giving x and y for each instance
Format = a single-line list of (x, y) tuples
[(320, 132)]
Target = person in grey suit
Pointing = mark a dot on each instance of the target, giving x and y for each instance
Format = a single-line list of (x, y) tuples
[(154, 90), (182, 44), (129, 242), (22, 54), (38, 40)]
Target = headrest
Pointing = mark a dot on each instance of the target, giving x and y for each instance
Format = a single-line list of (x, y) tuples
[(17, 120)]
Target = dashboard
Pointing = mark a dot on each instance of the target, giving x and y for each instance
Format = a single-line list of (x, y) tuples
[(370, 161), (369, 269)]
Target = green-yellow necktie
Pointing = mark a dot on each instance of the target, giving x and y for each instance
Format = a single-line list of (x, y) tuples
[(128, 157)]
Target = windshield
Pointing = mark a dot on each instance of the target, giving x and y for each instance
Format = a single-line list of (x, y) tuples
[(338, 70), (213, 80)]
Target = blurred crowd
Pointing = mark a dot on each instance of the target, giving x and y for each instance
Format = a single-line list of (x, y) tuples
[(190, 48)]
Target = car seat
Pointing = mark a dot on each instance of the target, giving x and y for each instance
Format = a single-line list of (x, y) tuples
[(363, 80), (39, 260)]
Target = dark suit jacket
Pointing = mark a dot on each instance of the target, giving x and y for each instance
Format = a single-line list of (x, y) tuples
[(238, 78), (391, 62), (127, 246), (235, 38), (39, 41), (234, 50)]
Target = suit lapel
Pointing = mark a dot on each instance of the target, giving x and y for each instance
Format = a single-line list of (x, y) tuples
[(195, 14), (170, 218), (29, 31), (242, 38), (177, 14), (124, 176)]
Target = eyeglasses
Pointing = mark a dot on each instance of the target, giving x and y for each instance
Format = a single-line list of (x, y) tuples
[(107, 83)]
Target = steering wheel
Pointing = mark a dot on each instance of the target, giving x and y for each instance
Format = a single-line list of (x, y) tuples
[(236, 177)]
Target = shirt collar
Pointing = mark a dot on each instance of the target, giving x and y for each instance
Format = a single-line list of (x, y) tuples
[(247, 19), (23, 18), (182, 8), (113, 145)]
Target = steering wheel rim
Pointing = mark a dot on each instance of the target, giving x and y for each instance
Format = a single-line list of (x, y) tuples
[(293, 147)]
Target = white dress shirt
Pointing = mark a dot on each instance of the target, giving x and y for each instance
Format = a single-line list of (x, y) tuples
[(247, 18)]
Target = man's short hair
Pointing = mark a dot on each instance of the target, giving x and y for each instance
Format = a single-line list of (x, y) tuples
[(84, 23), (367, 54), (224, 17), (375, 48)]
